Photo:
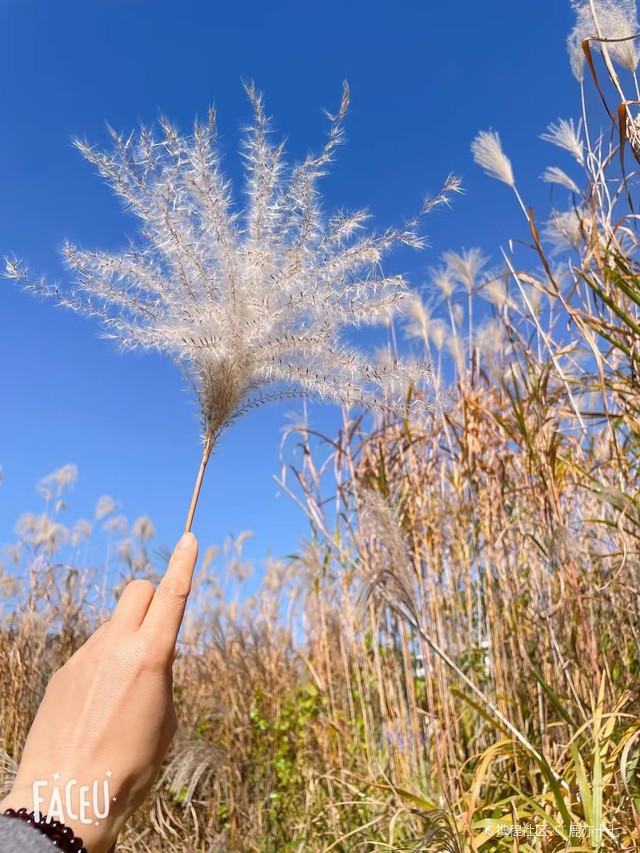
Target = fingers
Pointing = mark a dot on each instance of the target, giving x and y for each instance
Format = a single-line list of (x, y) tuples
[(133, 604), (164, 616)]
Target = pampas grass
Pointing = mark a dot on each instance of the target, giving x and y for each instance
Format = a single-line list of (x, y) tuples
[(455, 649), (250, 304)]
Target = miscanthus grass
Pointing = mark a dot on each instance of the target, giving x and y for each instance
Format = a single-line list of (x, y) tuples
[(250, 304), (611, 25)]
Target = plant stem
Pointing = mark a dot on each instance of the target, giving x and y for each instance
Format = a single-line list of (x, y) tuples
[(206, 453)]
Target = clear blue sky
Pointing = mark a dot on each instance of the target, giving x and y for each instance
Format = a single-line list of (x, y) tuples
[(424, 77)]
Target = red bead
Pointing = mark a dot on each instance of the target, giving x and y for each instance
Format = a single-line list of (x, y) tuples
[(61, 836)]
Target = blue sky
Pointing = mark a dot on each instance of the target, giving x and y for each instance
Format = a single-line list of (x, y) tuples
[(424, 78)]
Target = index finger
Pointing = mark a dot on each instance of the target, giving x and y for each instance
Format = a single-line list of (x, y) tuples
[(164, 616)]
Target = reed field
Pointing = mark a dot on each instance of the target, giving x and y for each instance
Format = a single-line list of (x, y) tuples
[(451, 659)]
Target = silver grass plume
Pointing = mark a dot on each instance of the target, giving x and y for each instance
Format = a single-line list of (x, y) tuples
[(251, 308), (487, 153), (607, 19), (193, 765), (465, 267), (392, 581), (555, 175), (8, 772), (566, 135), (566, 230)]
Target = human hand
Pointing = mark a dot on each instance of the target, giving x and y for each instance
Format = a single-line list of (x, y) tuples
[(108, 714)]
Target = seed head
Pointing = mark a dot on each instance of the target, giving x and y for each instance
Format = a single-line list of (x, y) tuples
[(609, 19), (487, 153), (565, 135), (250, 304)]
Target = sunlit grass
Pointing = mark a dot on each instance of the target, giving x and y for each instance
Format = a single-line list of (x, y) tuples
[(454, 654)]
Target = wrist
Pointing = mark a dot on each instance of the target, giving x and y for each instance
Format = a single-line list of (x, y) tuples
[(94, 838)]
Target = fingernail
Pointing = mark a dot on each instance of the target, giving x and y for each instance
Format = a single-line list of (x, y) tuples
[(186, 541)]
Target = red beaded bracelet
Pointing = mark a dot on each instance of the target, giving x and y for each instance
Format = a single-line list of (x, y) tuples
[(62, 836)]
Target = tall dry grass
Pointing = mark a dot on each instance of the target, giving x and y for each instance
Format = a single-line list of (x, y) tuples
[(454, 653)]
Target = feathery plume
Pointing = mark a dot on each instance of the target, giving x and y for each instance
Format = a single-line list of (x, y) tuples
[(8, 772), (565, 230), (193, 765), (490, 338), (465, 267), (250, 307), (554, 175), (420, 323), (105, 506), (457, 312), (81, 531), (418, 320), (60, 479), (496, 290), (381, 529), (443, 280), (565, 135), (609, 19), (399, 377), (457, 352), (438, 333), (116, 524), (487, 153), (143, 528)]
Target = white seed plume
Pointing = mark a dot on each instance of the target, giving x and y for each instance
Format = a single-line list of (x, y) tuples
[(465, 267), (554, 175), (381, 530), (609, 19), (565, 135), (565, 230), (443, 280), (41, 532), (490, 338), (438, 333), (420, 324), (53, 484), (487, 153), (418, 319), (81, 531), (250, 306), (457, 312), (105, 506), (399, 376), (497, 291), (116, 524), (457, 352), (143, 528)]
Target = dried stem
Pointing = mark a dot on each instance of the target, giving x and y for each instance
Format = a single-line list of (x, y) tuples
[(206, 453)]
